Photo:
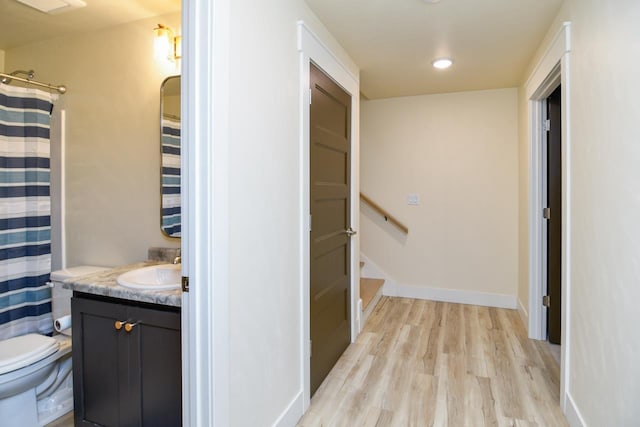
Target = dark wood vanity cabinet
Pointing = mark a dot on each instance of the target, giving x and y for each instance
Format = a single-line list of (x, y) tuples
[(126, 363)]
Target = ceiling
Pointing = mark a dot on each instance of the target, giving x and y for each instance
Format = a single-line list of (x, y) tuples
[(21, 25), (395, 41)]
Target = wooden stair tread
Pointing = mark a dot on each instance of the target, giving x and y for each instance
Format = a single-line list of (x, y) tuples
[(368, 290)]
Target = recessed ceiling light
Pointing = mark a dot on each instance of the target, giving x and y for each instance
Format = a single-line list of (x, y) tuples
[(442, 63), (431, 1)]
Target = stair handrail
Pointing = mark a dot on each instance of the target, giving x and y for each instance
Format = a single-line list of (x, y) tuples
[(386, 215)]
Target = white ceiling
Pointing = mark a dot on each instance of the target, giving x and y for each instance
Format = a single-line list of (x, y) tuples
[(394, 41), (21, 25)]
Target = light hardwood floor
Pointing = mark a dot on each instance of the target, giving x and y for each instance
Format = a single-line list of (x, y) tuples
[(424, 363)]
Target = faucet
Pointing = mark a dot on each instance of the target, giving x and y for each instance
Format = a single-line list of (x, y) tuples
[(177, 260)]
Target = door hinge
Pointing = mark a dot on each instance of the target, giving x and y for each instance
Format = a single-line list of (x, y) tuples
[(185, 284), (310, 219), (546, 301), (546, 213), (310, 92), (310, 347), (547, 125)]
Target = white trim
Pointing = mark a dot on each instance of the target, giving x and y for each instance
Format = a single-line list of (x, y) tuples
[(452, 295), (392, 288), (574, 417), (58, 187), (552, 55), (566, 229), (292, 414), (537, 225), (544, 79), (552, 69), (522, 312), (205, 319), (63, 188), (312, 48)]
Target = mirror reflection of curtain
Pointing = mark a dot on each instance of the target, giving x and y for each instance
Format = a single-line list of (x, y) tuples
[(171, 215), (25, 211)]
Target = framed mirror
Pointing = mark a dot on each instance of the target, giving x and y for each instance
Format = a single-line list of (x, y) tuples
[(170, 200)]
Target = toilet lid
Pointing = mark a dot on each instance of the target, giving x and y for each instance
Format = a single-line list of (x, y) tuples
[(18, 352)]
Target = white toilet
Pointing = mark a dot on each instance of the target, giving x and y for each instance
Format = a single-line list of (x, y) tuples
[(36, 385)]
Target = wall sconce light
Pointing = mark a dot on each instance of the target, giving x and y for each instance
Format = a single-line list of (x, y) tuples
[(166, 45)]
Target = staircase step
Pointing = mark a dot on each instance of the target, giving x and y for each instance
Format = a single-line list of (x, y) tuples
[(368, 290)]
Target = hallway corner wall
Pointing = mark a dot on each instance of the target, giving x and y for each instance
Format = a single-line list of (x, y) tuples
[(459, 153), (604, 209), (263, 178)]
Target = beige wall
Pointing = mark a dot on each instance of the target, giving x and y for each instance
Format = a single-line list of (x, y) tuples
[(2, 60), (113, 153), (604, 247), (264, 207), (459, 153), (605, 207)]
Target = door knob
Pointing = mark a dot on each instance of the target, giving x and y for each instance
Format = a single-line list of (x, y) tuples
[(118, 324), (350, 232), (129, 326)]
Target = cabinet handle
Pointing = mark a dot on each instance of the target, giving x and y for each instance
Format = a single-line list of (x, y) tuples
[(129, 326), (118, 325)]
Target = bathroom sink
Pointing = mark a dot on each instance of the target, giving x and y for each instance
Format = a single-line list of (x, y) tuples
[(156, 277)]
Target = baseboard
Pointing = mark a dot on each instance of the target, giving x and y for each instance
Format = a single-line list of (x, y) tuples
[(452, 295), (292, 414), (574, 418), (524, 315)]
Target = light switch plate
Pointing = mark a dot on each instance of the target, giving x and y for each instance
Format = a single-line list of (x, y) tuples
[(413, 199)]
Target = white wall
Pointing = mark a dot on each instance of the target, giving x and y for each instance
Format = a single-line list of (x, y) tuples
[(604, 382), (605, 259), (459, 153), (113, 154), (263, 208)]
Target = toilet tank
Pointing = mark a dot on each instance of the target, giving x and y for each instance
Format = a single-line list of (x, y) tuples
[(60, 297)]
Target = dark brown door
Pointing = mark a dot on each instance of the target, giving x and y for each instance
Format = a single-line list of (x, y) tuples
[(330, 153), (554, 229)]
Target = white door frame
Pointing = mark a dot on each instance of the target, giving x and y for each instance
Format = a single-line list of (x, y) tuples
[(205, 139), (312, 49), (551, 70)]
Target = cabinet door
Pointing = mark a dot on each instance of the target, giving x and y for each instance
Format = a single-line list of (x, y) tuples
[(155, 361), (97, 362)]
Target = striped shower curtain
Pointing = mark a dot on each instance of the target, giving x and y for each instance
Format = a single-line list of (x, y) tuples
[(25, 221), (171, 215)]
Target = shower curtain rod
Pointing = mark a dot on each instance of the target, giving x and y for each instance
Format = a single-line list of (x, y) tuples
[(6, 79)]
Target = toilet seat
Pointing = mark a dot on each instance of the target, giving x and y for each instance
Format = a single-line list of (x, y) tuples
[(18, 352)]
